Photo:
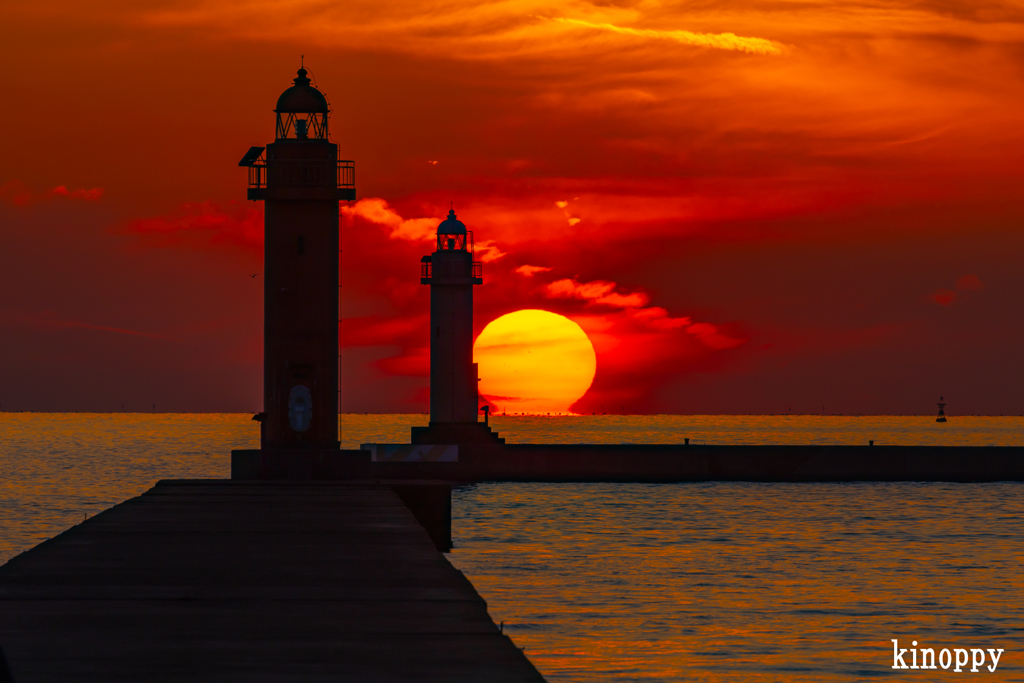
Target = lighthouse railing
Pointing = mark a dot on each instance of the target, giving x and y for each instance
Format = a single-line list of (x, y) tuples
[(258, 175), (346, 173), (450, 270)]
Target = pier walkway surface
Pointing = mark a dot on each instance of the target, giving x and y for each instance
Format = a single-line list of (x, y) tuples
[(201, 580)]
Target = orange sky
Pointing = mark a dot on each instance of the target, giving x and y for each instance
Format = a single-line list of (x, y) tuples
[(748, 206)]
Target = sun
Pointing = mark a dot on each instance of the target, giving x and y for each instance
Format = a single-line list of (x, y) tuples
[(534, 361)]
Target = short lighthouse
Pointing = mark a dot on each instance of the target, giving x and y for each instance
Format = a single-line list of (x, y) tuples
[(300, 181), (451, 273)]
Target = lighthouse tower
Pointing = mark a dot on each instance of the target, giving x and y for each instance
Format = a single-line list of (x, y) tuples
[(451, 273), (300, 181)]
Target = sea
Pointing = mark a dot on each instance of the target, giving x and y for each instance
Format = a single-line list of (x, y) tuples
[(598, 582)]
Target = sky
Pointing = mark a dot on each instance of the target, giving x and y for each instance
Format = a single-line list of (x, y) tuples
[(749, 207)]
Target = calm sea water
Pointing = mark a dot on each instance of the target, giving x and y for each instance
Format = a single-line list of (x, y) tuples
[(746, 582), (640, 582)]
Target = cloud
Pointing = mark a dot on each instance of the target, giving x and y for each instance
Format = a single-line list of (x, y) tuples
[(530, 271), (597, 292), (92, 195), (377, 330), (16, 193), (634, 300), (377, 211), (564, 205), (658, 317), (707, 334), (202, 224), (640, 350), (944, 297), (467, 29), (654, 318), (413, 363), (487, 251), (969, 283), (710, 336), (964, 283), (721, 41)]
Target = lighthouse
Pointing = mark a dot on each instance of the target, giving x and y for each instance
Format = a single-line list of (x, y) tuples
[(300, 181), (451, 273)]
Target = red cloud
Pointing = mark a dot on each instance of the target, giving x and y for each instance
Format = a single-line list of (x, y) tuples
[(709, 335), (203, 224), (964, 283), (377, 211), (658, 317), (377, 330), (415, 363), (92, 195), (14, 192), (969, 283), (944, 297), (487, 251), (639, 350), (530, 271), (570, 219), (597, 292), (17, 193)]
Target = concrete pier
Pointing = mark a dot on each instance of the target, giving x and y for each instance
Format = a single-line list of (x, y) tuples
[(249, 581)]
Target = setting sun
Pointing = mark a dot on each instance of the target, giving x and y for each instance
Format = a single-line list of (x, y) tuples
[(534, 361)]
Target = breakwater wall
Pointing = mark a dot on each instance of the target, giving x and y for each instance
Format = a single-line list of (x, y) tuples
[(667, 463), (674, 463)]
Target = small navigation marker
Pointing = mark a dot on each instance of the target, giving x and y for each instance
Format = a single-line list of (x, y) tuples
[(942, 411)]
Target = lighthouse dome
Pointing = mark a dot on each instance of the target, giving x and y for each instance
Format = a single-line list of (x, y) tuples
[(302, 98), (451, 225)]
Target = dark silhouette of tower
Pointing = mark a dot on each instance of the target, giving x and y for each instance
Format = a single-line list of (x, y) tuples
[(300, 181), (451, 273), (942, 411)]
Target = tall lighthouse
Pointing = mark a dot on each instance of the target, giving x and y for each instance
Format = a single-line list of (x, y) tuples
[(451, 273), (300, 180)]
